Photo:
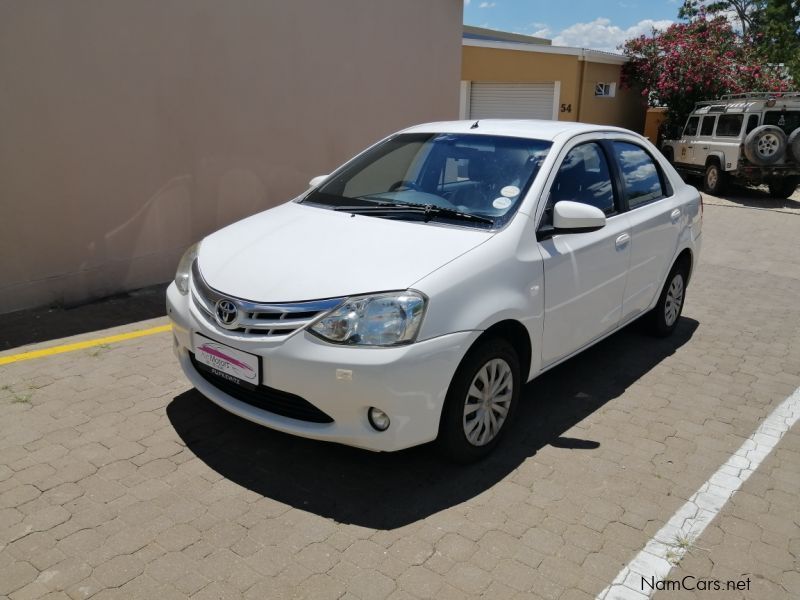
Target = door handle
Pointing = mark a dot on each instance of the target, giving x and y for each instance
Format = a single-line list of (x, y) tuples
[(705, 147), (622, 241), (675, 214)]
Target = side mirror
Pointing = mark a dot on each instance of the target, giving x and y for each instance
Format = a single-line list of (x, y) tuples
[(315, 181), (576, 217)]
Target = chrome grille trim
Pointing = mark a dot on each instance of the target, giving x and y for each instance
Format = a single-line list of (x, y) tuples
[(258, 318)]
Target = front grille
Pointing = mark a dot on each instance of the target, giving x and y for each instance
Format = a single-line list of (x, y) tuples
[(265, 398), (257, 318)]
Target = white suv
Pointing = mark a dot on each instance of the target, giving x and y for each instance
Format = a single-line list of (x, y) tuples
[(411, 294), (753, 138)]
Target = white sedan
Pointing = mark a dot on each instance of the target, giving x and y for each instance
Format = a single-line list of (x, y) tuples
[(410, 294)]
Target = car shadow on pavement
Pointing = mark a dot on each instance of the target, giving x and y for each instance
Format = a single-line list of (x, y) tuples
[(751, 197), (43, 324), (389, 490)]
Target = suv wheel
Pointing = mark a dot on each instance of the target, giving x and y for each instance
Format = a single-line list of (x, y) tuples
[(480, 402), (664, 317), (783, 188), (794, 144), (714, 180), (765, 145)]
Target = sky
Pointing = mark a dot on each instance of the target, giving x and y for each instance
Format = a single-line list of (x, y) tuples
[(598, 24)]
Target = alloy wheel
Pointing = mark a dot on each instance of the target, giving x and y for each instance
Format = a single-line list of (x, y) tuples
[(674, 300), (488, 401)]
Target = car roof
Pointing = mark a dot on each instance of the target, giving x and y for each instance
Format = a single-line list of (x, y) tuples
[(526, 128)]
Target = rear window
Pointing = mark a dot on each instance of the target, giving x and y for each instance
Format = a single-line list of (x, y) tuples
[(691, 126), (729, 125), (707, 126), (788, 120), (639, 174)]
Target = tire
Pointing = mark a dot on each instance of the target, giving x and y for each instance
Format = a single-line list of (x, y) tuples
[(765, 145), (460, 431), (781, 189), (714, 179), (793, 145), (666, 314)]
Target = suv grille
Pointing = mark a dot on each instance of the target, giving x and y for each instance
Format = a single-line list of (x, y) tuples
[(265, 398), (257, 318)]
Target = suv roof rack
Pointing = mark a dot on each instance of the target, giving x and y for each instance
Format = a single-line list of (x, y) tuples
[(747, 96), (762, 95)]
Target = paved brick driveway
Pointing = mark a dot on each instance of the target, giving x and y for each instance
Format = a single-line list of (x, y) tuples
[(118, 480)]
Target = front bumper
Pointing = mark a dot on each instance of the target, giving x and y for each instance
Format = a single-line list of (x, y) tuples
[(408, 383)]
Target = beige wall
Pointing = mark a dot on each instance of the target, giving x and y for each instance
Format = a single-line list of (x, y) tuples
[(514, 66), (625, 109), (577, 79), (130, 129)]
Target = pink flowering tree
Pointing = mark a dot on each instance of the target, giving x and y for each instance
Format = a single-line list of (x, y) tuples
[(689, 62)]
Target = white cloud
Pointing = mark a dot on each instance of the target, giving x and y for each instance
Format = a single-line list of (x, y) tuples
[(600, 34), (486, 5), (466, 2)]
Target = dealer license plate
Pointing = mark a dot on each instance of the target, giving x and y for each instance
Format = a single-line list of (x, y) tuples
[(229, 363)]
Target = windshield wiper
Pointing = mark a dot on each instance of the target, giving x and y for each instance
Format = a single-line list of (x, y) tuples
[(428, 210)]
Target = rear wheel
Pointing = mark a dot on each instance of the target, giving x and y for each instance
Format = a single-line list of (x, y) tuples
[(480, 402), (714, 179), (783, 188), (664, 317)]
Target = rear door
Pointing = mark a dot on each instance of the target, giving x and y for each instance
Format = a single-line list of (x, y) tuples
[(584, 272), (655, 220)]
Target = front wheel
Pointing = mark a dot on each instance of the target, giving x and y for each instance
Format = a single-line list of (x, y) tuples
[(664, 317), (714, 180), (480, 402)]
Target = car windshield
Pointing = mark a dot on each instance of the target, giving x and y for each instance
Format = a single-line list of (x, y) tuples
[(481, 176)]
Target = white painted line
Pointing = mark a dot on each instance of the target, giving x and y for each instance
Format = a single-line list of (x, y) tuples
[(654, 563)]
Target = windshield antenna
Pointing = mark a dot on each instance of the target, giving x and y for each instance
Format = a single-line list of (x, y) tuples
[(474, 125)]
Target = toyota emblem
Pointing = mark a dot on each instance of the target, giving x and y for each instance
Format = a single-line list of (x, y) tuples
[(226, 313)]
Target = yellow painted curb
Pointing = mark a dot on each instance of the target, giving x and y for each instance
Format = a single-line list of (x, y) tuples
[(4, 360)]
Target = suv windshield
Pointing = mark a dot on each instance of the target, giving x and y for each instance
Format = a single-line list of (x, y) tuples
[(465, 174), (788, 120)]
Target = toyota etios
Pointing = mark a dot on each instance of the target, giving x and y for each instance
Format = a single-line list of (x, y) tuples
[(410, 294)]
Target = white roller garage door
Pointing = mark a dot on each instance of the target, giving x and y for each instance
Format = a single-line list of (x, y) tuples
[(511, 100)]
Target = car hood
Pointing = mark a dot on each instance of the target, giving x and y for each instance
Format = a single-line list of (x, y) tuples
[(297, 252)]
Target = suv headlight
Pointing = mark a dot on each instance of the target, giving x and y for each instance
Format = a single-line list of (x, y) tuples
[(185, 268), (376, 320)]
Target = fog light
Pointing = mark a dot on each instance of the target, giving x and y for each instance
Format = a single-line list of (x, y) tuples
[(378, 419)]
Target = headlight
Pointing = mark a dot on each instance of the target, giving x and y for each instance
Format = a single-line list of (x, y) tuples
[(185, 268), (377, 320)]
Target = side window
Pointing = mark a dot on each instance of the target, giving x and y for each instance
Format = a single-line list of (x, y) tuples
[(640, 175), (691, 126), (752, 123), (583, 177), (729, 125), (707, 126)]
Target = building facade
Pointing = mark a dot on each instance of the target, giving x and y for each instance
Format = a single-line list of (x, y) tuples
[(132, 129), (512, 76)]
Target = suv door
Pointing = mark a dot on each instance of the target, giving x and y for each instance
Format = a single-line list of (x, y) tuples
[(584, 272), (655, 218), (702, 143), (683, 155)]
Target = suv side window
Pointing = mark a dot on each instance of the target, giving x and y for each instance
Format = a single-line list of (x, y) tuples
[(752, 123), (640, 176), (691, 127), (583, 176), (707, 127), (729, 125)]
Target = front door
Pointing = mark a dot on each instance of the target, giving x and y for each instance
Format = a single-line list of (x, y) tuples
[(584, 273)]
